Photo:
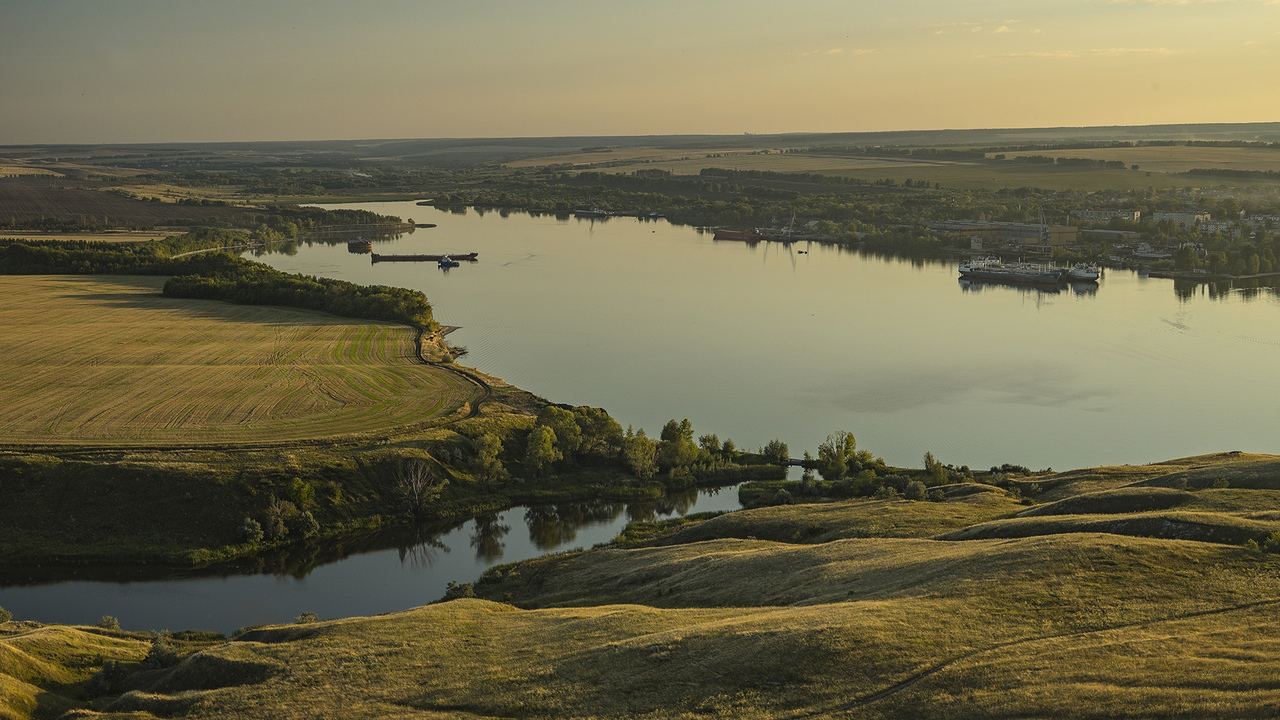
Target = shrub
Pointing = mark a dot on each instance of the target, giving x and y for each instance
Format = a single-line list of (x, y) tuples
[(5, 616), (782, 497), (456, 590), (251, 531), (1272, 542), (161, 655), (109, 622), (306, 618), (108, 680), (914, 490)]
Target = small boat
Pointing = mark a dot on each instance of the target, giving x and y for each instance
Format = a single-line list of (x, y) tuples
[(447, 262), (360, 247), (592, 213), (1084, 272)]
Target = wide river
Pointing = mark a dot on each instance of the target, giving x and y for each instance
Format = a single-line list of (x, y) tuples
[(654, 321)]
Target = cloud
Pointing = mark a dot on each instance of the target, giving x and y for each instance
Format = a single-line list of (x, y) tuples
[(975, 26), (832, 52), (1096, 52)]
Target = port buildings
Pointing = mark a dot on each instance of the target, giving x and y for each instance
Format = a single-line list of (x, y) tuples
[(1105, 216), (1007, 232)]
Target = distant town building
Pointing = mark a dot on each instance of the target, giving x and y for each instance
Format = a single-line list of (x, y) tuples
[(1007, 232), (1226, 228), (1185, 219), (1267, 221), (1105, 216)]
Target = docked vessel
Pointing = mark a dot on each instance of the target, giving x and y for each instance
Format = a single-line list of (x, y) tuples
[(592, 213), (453, 257), (1146, 252), (446, 262), (996, 270), (360, 247), (743, 235), (1084, 272)]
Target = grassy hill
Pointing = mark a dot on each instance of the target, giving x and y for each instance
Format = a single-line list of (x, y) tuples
[(895, 609)]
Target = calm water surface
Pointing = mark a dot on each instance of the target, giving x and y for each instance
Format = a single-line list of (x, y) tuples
[(653, 321), (365, 576)]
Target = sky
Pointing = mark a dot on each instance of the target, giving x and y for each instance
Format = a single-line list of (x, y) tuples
[(92, 71)]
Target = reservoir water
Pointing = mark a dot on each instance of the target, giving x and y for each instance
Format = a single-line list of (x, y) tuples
[(654, 321)]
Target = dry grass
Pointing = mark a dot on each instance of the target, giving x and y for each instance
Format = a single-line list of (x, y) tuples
[(107, 361), (39, 667)]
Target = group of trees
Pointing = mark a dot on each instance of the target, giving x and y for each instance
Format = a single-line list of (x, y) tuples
[(224, 277)]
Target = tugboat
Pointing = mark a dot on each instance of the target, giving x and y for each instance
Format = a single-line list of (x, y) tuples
[(447, 262)]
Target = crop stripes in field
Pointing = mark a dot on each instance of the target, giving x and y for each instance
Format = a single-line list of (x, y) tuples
[(947, 664)]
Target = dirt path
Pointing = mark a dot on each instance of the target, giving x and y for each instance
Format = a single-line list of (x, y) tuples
[(948, 664)]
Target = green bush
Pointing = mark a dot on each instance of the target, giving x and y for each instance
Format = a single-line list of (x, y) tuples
[(5, 616), (108, 622), (306, 618)]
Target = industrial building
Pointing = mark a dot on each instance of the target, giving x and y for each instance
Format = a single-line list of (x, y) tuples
[(1007, 232)]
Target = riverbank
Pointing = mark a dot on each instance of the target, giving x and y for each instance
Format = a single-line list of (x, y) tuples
[(1126, 591)]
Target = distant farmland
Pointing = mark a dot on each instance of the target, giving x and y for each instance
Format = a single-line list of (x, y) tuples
[(108, 361), (26, 202), (1158, 166)]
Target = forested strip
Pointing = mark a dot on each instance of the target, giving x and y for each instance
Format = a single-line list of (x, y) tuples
[(213, 276)]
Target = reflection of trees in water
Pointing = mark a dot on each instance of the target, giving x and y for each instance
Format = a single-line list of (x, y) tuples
[(487, 536), (420, 545), (551, 526), (1247, 290), (675, 502)]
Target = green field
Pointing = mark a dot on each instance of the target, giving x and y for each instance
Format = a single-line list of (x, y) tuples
[(108, 361), (877, 609)]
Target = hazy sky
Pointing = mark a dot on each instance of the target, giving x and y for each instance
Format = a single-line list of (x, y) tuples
[(188, 70)]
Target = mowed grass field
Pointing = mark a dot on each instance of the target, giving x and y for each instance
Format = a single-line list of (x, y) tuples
[(108, 361), (885, 612)]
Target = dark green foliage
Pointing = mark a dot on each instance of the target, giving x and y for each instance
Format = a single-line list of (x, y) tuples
[(223, 277), (455, 590), (161, 655), (776, 452), (601, 434), (251, 531), (640, 453), (675, 445), (109, 622), (915, 490), (306, 618), (541, 451), (5, 616), (836, 454), (109, 680)]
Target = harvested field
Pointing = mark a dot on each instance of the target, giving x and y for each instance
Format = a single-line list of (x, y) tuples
[(108, 361), (1176, 158)]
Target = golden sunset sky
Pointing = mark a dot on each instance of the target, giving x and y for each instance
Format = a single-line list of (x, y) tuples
[(181, 70)]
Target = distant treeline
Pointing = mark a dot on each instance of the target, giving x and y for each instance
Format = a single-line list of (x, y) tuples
[(214, 275), (1239, 174), (773, 175), (878, 151), (1066, 161)]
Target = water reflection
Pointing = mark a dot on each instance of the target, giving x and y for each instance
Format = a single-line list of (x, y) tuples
[(1248, 289), (385, 571)]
